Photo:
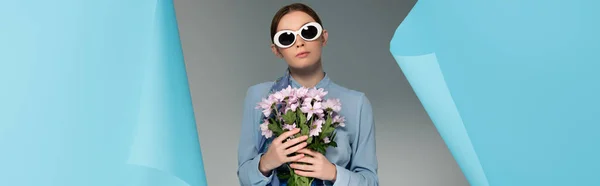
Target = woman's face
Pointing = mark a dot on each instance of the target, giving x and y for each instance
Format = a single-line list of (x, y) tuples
[(302, 54)]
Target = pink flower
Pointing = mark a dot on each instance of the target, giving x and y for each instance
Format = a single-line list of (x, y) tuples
[(301, 92), (311, 95), (321, 115), (266, 112), (292, 99), (288, 91), (316, 127), (321, 93), (333, 104), (266, 105), (316, 94), (289, 127), (311, 109), (339, 120), (292, 107), (307, 100), (264, 128), (277, 96), (326, 140)]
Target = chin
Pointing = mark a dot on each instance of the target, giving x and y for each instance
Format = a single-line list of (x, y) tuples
[(303, 65)]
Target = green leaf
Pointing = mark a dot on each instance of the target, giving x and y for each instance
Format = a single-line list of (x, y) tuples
[(333, 144), (321, 149), (301, 116), (329, 130), (304, 129), (291, 180), (291, 113), (275, 128), (312, 146), (300, 181), (328, 122), (323, 134), (332, 137), (326, 132), (309, 140), (317, 142), (289, 117), (286, 118)]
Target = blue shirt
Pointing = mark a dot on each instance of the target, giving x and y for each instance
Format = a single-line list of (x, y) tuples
[(354, 156)]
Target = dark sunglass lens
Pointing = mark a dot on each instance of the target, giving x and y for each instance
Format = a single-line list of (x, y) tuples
[(309, 32), (286, 38)]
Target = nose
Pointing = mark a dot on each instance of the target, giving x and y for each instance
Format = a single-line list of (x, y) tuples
[(300, 42)]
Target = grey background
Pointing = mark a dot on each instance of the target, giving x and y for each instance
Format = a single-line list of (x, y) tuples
[(226, 50)]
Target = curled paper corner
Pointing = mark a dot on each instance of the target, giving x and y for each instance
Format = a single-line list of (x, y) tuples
[(427, 80), (166, 154), (165, 137)]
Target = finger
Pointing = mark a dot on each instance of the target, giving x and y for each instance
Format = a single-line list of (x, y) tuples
[(294, 141), (308, 152), (286, 135), (305, 173), (294, 158), (302, 167), (307, 159), (295, 148)]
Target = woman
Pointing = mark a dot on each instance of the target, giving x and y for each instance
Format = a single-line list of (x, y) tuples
[(298, 37)]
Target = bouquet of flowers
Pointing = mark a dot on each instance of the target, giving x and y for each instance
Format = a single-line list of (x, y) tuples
[(308, 110)]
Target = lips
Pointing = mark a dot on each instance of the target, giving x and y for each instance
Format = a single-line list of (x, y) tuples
[(302, 54)]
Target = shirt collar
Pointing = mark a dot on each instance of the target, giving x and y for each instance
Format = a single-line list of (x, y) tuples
[(322, 84)]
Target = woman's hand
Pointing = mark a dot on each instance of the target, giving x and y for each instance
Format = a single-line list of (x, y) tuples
[(278, 151), (315, 165)]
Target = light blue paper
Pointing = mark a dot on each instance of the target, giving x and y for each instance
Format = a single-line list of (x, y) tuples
[(523, 80), (95, 93), (426, 79)]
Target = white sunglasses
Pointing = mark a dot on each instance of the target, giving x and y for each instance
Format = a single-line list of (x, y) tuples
[(309, 32)]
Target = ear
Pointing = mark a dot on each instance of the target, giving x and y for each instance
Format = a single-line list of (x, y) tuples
[(325, 36), (275, 51)]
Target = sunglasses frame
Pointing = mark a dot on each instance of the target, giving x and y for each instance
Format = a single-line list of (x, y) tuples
[(298, 33)]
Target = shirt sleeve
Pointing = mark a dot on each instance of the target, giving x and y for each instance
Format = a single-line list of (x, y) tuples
[(363, 168), (248, 156)]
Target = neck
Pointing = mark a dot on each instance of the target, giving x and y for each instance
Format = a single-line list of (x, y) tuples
[(308, 77)]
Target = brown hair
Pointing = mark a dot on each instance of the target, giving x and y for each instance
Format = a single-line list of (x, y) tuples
[(290, 8)]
